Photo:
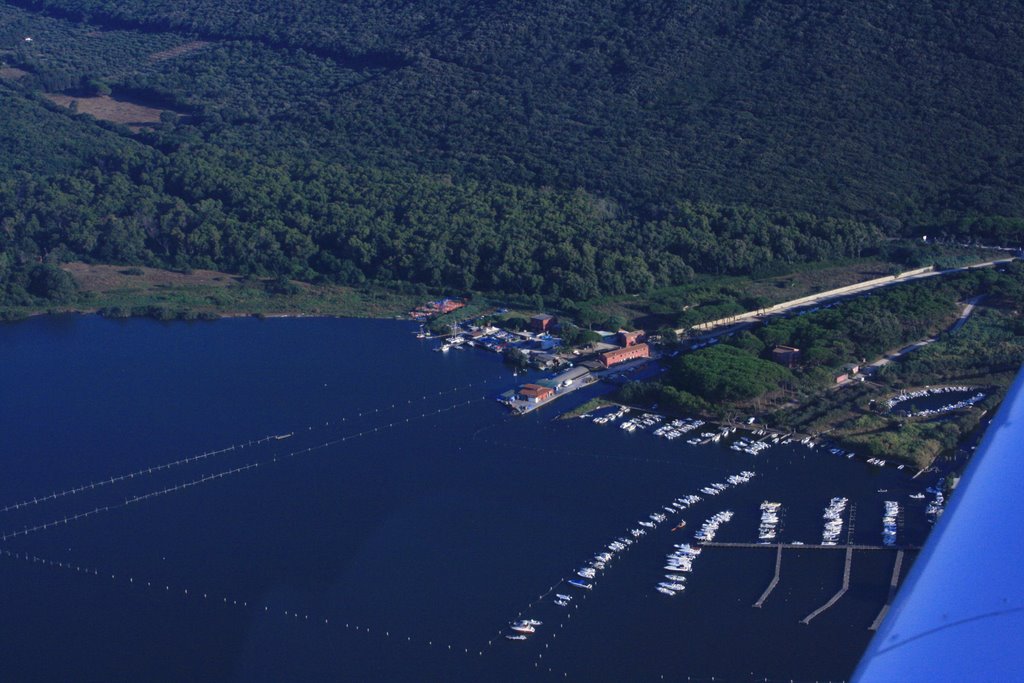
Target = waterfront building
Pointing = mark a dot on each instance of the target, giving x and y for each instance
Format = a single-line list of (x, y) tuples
[(569, 376), (610, 358), (535, 393)]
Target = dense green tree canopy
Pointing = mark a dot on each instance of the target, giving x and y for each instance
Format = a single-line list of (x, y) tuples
[(566, 149), (725, 373)]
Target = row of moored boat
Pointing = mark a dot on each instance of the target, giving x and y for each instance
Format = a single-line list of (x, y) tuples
[(833, 520), (892, 511), (770, 515)]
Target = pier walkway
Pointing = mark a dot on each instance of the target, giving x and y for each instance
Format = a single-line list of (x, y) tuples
[(842, 591), (847, 568), (801, 546), (775, 579), (892, 592)]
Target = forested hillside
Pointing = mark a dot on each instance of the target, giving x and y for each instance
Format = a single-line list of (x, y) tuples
[(567, 149)]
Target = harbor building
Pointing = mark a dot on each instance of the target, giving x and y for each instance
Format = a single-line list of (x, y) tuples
[(569, 376), (610, 358), (535, 393)]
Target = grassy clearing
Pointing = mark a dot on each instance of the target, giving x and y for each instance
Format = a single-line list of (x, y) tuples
[(116, 110), (120, 291)]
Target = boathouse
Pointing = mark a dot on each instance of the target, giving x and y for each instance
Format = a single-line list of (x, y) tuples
[(535, 393)]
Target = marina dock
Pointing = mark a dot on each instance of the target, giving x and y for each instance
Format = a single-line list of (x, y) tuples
[(842, 591), (523, 407), (893, 583), (809, 546), (847, 568), (775, 579)]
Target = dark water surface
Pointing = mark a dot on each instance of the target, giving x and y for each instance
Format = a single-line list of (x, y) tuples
[(397, 554)]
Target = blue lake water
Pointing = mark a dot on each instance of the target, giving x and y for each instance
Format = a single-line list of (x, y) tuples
[(402, 548)]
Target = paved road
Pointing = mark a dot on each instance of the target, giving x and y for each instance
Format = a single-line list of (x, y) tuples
[(745, 319), (895, 355), (966, 313)]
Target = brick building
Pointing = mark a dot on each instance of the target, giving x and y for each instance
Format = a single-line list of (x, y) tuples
[(629, 338), (610, 358)]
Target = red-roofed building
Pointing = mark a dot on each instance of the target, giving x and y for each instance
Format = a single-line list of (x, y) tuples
[(535, 393), (629, 338), (610, 358)]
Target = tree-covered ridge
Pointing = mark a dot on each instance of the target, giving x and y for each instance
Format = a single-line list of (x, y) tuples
[(202, 207), (906, 114), (63, 55)]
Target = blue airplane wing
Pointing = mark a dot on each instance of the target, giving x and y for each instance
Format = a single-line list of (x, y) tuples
[(960, 614)]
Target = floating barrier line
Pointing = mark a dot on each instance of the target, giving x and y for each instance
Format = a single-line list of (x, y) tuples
[(8, 535), (123, 477), (253, 608), (127, 501), (37, 500)]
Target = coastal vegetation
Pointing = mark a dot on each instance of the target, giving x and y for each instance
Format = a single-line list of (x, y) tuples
[(120, 292), (736, 377), (584, 408)]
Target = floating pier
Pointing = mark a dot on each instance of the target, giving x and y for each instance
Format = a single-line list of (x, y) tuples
[(775, 579), (892, 592), (842, 591), (809, 546)]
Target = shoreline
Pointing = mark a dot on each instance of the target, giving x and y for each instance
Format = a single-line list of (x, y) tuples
[(214, 317)]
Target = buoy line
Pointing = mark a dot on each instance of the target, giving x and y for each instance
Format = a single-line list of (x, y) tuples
[(9, 535), (145, 471), (253, 608)]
